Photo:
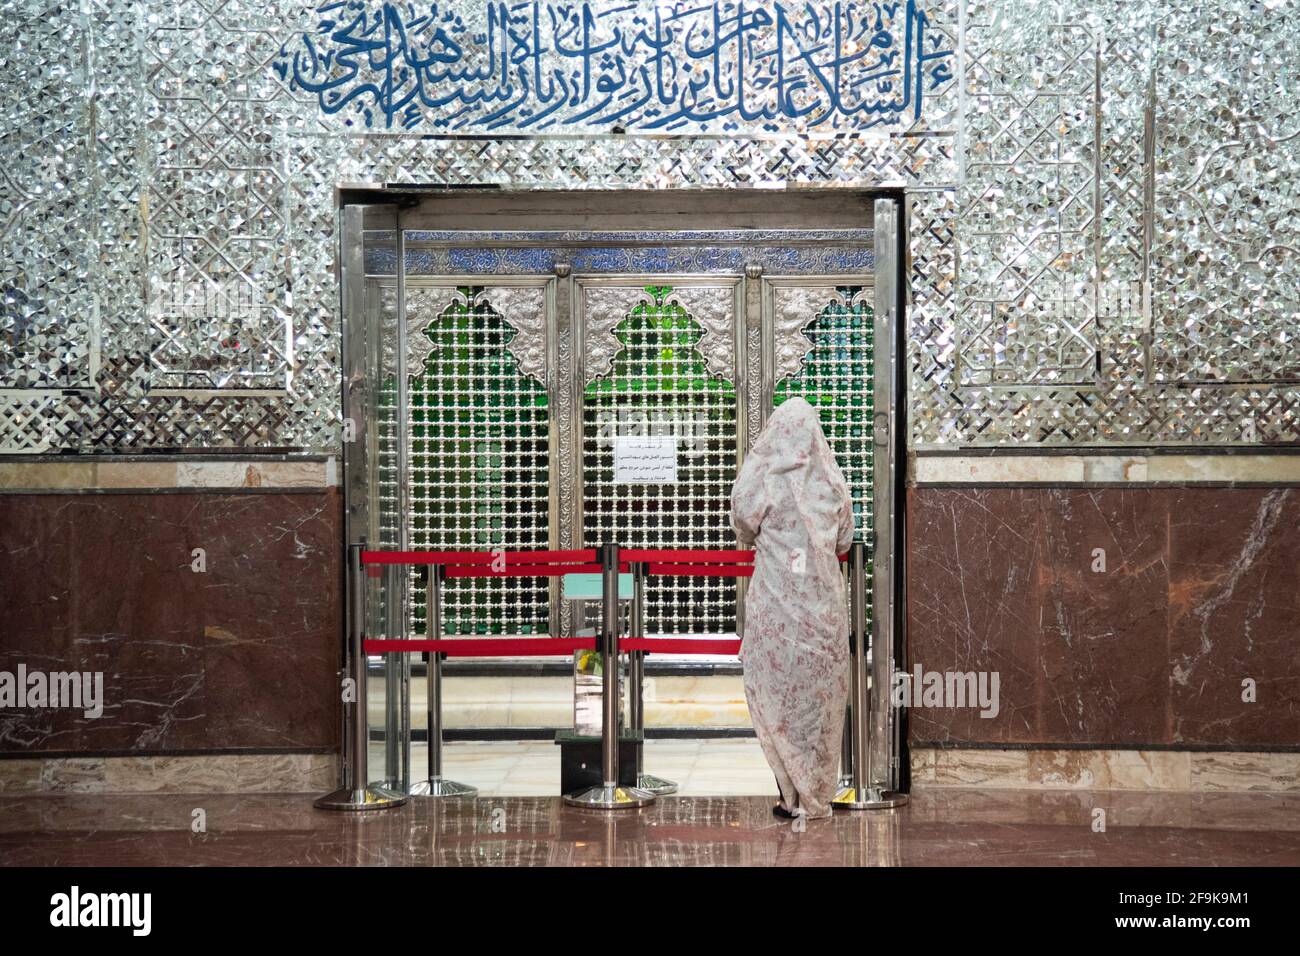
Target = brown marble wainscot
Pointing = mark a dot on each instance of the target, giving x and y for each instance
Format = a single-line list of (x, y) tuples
[(1201, 590), (241, 657), (1234, 614)]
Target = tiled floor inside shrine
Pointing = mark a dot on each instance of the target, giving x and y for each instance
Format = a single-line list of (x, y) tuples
[(939, 827), (528, 768), (723, 816)]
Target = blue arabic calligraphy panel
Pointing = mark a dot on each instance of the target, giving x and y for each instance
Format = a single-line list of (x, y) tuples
[(833, 252), (716, 67)]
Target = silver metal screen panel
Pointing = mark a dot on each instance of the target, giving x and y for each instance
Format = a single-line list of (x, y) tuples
[(659, 383), (479, 461)]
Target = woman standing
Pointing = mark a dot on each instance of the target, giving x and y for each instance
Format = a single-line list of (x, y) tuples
[(791, 503)]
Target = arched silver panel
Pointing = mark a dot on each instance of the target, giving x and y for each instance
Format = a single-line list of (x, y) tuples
[(503, 365)]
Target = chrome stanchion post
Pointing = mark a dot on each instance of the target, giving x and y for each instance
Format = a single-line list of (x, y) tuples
[(636, 685), (858, 712), (846, 741), (357, 793), (861, 794), (435, 785), (846, 738), (609, 795), (396, 692)]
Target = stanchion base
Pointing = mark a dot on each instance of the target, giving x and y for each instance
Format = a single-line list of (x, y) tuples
[(369, 798), (442, 787), (656, 785), (609, 798), (873, 798)]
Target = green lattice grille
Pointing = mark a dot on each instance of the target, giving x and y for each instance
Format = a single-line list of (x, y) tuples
[(658, 383), (386, 516), (836, 379), (479, 467)]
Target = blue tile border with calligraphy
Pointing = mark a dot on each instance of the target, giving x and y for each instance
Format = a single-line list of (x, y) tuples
[(533, 67), (381, 260)]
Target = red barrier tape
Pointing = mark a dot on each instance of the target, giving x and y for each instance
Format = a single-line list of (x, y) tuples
[(693, 557), (470, 564), (686, 557), (547, 646), (523, 570), (484, 647), (704, 570), (680, 645), (476, 557)]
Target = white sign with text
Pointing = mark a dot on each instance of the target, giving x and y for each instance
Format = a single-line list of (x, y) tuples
[(645, 460)]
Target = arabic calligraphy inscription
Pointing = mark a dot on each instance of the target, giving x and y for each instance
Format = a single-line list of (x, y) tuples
[(721, 67)]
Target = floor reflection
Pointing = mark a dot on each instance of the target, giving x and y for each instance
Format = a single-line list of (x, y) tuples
[(939, 827)]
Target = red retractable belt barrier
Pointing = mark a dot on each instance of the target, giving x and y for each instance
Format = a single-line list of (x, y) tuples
[(684, 556), (471, 564), (586, 556), (483, 647), (488, 564), (522, 570), (680, 645), (704, 570), (545, 646), (693, 563)]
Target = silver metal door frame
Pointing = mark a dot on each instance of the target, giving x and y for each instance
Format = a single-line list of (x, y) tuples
[(888, 624), (360, 339)]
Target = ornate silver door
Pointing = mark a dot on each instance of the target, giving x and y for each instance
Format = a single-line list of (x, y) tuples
[(525, 356), (490, 374), (662, 356)]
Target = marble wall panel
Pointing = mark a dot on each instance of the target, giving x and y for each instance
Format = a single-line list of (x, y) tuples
[(241, 656), (1201, 591)]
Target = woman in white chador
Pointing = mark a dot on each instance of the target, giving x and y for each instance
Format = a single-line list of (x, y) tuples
[(790, 500)]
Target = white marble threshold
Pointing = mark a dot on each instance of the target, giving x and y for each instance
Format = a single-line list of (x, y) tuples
[(197, 473), (1118, 469), (702, 767)]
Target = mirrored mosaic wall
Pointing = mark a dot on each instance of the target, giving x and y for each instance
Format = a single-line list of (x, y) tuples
[(1103, 196)]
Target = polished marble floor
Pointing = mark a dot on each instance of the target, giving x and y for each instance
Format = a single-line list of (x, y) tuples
[(530, 768), (939, 827)]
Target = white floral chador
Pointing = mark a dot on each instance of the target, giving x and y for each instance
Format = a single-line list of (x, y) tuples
[(790, 500)]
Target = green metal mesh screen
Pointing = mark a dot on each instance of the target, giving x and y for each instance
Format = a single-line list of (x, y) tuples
[(479, 467), (836, 379), (659, 385)]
